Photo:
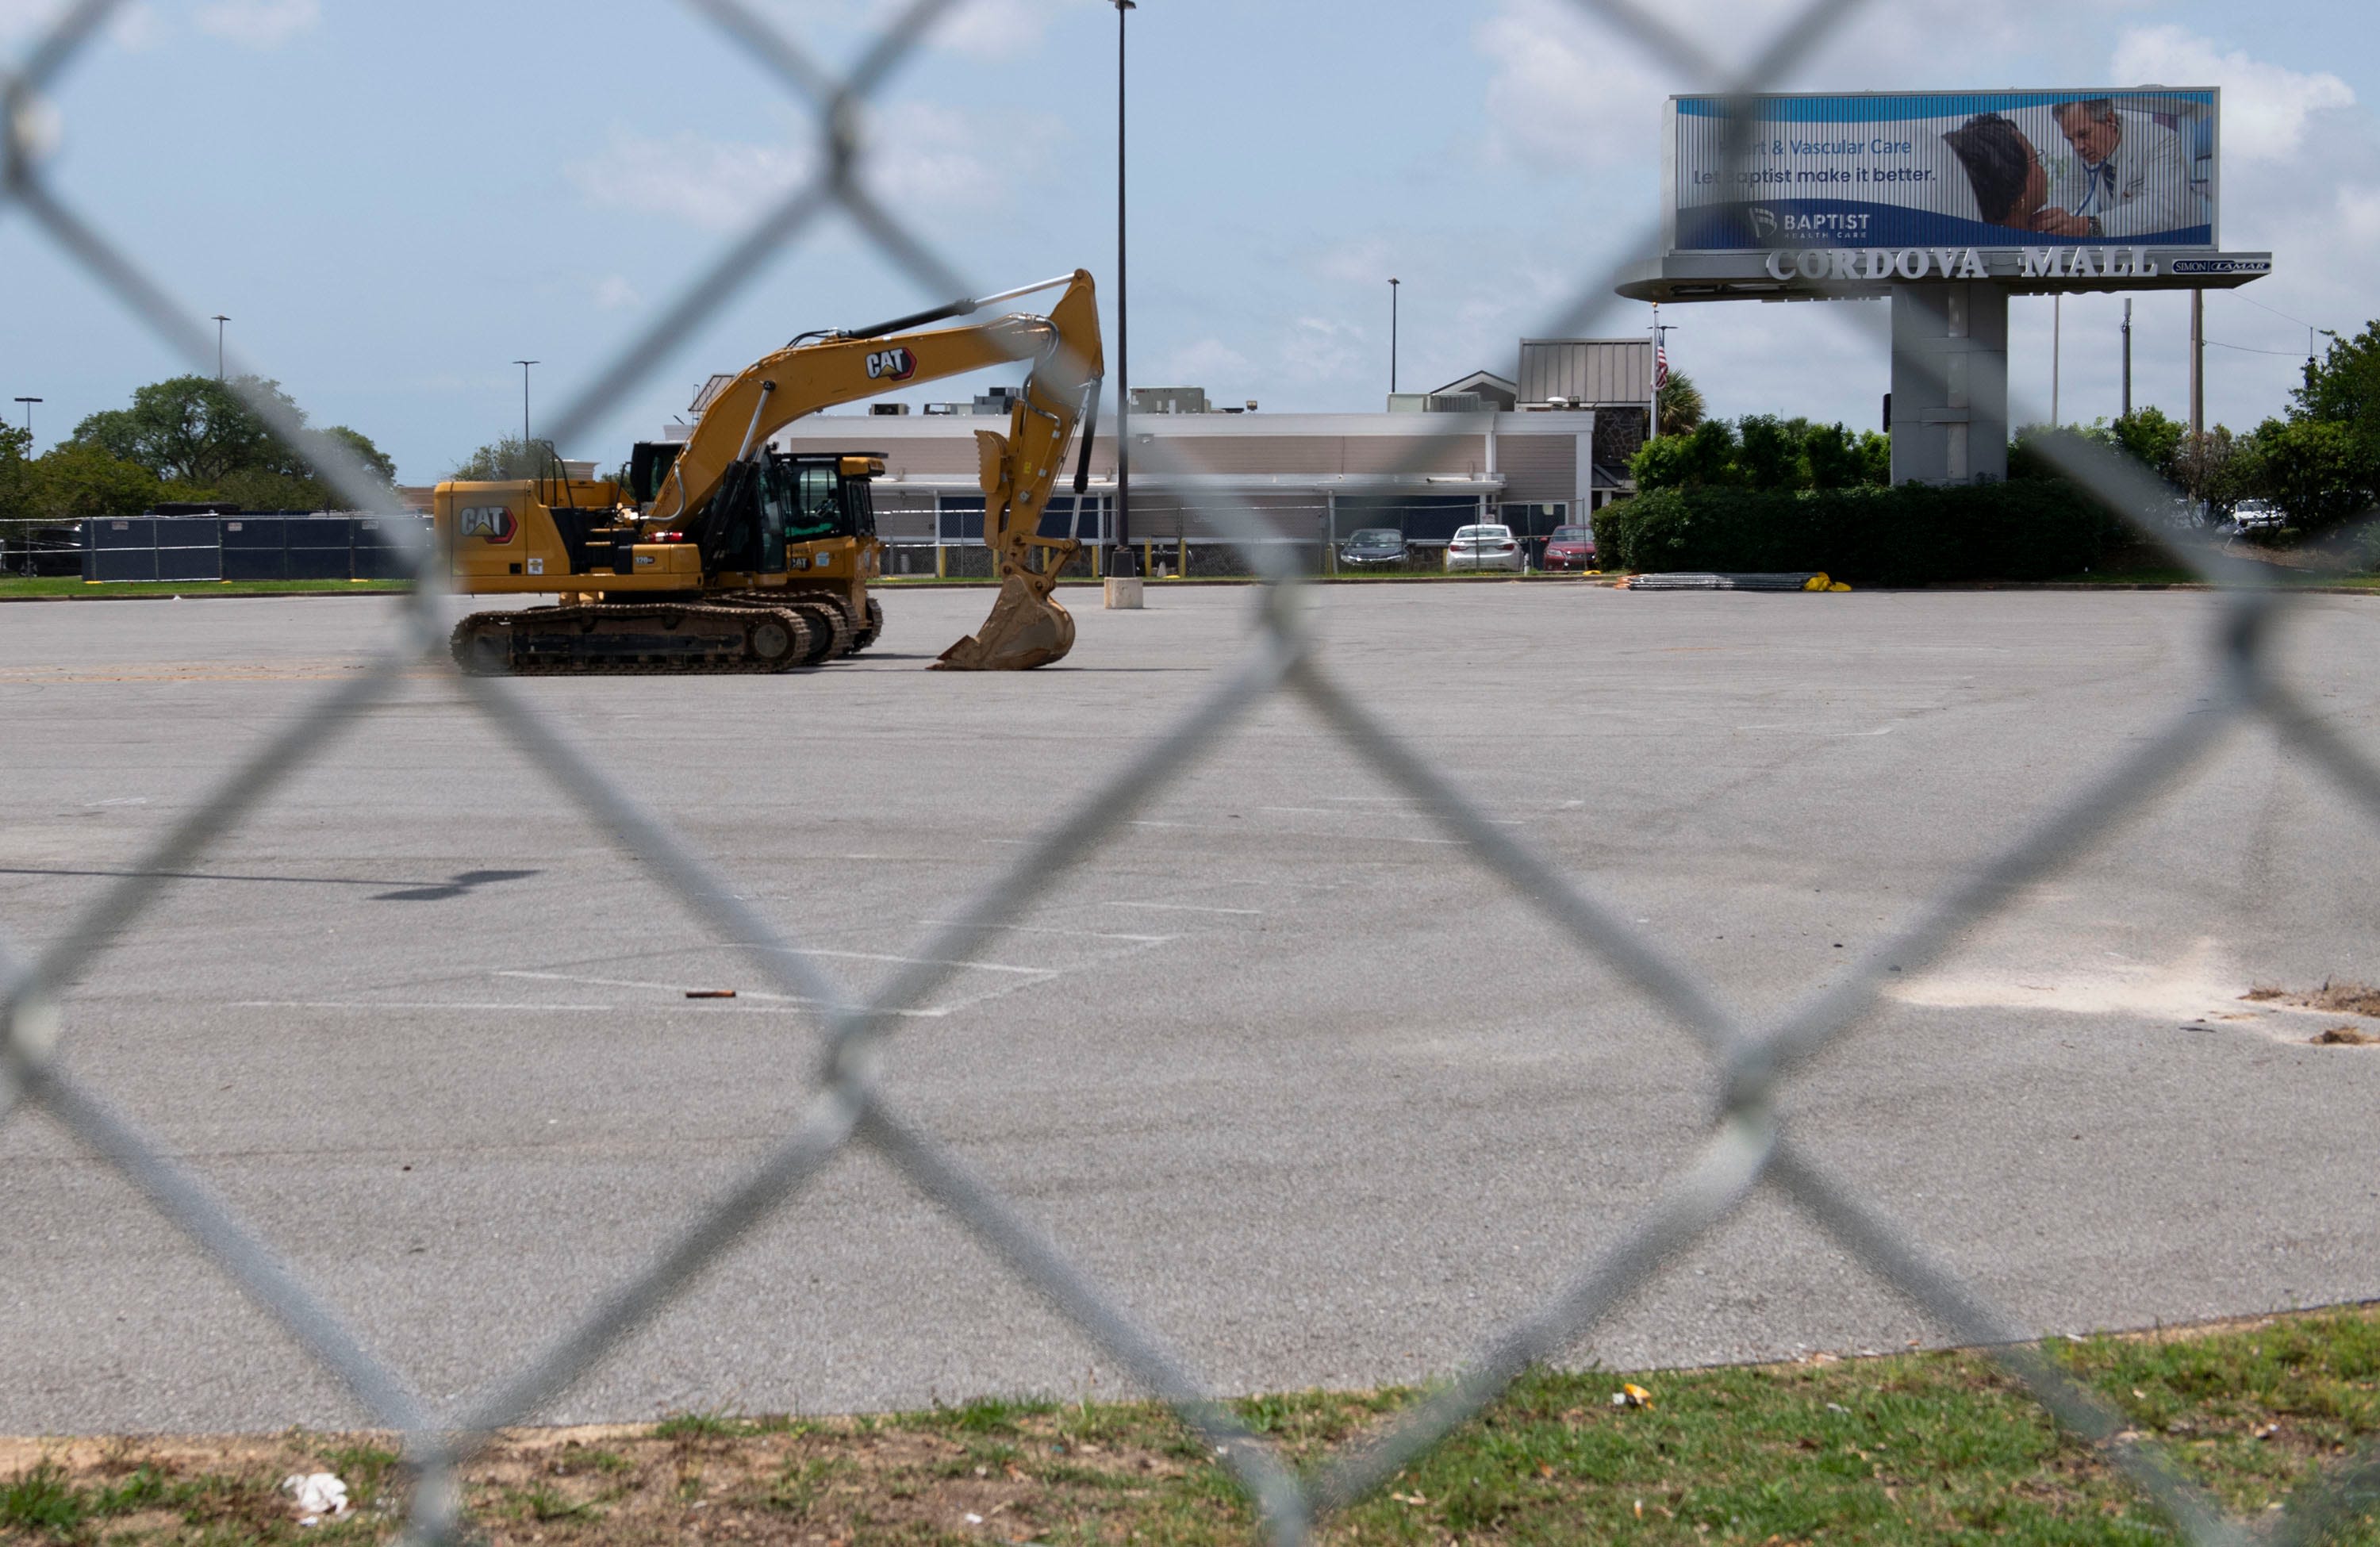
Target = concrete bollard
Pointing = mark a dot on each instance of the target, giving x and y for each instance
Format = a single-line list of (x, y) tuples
[(1124, 590)]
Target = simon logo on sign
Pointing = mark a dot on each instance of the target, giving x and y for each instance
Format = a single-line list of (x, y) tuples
[(892, 365), (493, 522)]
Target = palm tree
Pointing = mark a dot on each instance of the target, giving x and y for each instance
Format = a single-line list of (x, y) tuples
[(1680, 403)]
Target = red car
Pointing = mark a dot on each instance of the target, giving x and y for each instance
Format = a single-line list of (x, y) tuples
[(1571, 548)]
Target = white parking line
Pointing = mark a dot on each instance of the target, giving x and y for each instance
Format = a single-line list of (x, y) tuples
[(933, 961), (931, 1013), (407, 1004), (1084, 934), (1192, 908)]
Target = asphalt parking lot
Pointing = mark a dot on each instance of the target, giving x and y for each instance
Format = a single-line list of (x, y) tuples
[(1318, 1098)]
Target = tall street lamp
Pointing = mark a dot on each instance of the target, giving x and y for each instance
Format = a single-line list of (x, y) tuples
[(525, 364), (1122, 563), (219, 321), (2311, 331), (1392, 336), (29, 403)]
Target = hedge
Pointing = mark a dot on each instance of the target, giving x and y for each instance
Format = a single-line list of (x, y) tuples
[(2028, 529)]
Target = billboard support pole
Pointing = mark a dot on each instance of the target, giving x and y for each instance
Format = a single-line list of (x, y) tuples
[(2127, 357), (1950, 381), (2057, 343), (2197, 367)]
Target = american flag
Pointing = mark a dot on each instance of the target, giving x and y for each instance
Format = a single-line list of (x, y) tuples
[(1661, 364)]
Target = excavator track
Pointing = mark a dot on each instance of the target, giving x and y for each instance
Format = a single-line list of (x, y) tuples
[(644, 639), (827, 614)]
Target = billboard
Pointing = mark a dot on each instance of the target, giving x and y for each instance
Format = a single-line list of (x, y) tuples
[(1943, 170)]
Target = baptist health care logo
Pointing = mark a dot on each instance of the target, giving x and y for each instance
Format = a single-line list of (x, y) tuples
[(493, 522), (892, 365)]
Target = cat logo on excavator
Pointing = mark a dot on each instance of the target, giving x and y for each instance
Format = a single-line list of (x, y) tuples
[(493, 522), (893, 365)]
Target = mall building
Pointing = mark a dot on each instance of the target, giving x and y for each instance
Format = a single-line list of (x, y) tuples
[(1547, 446)]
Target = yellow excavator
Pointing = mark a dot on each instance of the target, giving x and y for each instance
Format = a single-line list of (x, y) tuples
[(720, 556)]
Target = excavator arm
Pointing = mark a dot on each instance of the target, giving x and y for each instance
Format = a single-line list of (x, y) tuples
[(1027, 628)]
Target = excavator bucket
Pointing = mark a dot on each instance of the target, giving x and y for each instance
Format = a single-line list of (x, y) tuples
[(1026, 630)]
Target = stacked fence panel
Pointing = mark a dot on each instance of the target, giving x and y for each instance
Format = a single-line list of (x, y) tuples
[(273, 547)]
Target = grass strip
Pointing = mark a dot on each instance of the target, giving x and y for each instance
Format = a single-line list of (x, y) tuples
[(16, 586), (1908, 1448)]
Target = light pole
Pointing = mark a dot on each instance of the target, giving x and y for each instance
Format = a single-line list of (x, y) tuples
[(525, 364), (1122, 563), (1392, 335), (2311, 331), (219, 321), (29, 403)]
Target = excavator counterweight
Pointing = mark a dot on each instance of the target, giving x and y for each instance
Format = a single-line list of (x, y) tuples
[(720, 554)]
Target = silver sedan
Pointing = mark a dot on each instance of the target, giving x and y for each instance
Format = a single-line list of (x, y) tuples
[(1483, 548)]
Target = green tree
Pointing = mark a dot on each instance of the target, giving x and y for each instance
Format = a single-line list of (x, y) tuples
[(75, 480), (1677, 406), (191, 429), (2343, 387), (1768, 453), (202, 435), (376, 462), (1703, 458), (16, 473), (508, 458), (2319, 471), (1832, 458), (2151, 438)]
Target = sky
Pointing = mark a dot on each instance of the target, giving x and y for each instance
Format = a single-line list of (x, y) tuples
[(393, 201)]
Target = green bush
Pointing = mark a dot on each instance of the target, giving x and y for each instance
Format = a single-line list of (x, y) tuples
[(1912, 534)]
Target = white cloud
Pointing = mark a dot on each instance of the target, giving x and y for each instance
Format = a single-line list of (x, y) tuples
[(136, 27), (1565, 90), (923, 155), (2264, 106), (997, 28), (2358, 210), (1210, 364), (714, 184), (1320, 349), (260, 23), (984, 29), (613, 293)]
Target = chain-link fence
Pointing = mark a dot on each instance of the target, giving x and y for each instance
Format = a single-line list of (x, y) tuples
[(1750, 1141)]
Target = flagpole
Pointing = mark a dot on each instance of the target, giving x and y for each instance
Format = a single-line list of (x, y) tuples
[(1653, 403)]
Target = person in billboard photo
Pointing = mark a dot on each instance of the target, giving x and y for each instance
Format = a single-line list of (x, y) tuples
[(2005, 171), (2133, 179)]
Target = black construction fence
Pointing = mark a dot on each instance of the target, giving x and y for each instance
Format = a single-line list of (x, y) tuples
[(275, 545)]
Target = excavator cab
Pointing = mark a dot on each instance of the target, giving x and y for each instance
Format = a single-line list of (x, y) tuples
[(777, 513)]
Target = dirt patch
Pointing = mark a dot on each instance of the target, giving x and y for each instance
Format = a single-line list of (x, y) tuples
[(811, 1483), (2346, 1036), (2338, 997)]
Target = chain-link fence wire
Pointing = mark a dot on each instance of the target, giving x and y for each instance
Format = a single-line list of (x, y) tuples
[(1750, 1143)]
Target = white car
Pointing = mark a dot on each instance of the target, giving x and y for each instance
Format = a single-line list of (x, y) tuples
[(1483, 548)]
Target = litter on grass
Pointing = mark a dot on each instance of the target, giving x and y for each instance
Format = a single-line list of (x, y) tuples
[(320, 1496)]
